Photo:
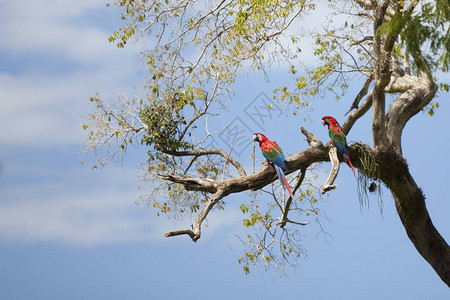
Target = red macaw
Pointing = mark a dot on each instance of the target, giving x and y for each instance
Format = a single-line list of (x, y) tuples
[(338, 138), (273, 154)]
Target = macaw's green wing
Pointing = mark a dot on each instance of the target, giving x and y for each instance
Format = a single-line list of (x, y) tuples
[(338, 137), (340, 141), (272, 152)]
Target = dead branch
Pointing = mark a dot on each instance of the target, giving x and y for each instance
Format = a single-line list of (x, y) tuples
[(222, 153), (360, 95), (192, 184), (294, 222), (312, 140), (358, 113), (197, 225), (284, 218), (328, 185), (181, 232)]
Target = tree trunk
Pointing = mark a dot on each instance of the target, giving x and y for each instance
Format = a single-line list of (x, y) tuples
[(411, 208)]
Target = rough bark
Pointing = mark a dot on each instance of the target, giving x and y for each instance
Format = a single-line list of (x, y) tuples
[(387, 128), (411, 208), (380, 78), (416, 94)]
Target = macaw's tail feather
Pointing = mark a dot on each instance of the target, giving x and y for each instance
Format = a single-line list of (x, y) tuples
[(347, 160), (283, 181)]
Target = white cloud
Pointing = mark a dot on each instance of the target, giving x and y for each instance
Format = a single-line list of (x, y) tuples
[(45, 111), (102, 213), (42, 108), (80, 207), (50, 27)]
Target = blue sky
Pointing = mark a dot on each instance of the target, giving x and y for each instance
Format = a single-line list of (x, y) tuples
[(68, 232)]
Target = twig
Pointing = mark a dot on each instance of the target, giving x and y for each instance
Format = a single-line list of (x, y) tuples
[(360, 95), (284, 218), (222, 153)]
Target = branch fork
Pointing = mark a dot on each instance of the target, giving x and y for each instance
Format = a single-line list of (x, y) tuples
[(196, 226)]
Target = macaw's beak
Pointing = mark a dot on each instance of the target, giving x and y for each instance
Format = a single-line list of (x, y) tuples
[(255, 138), (324, 123)]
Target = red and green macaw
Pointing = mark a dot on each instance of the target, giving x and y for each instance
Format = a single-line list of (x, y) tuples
[(338, 138), (273, 154)]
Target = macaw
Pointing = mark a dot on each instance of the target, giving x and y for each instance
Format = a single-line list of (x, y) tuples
[(338, 138), (273, 154)]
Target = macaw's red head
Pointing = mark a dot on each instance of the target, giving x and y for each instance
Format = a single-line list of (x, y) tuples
[(327, 120), (259, 137)]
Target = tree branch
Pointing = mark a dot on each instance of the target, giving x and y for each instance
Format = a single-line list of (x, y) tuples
[(328, 185), (284, 218), (360, 95), (358, 113), (196, 226), (416, 94), (222, 153), (249, 182), (192, 184), (181, 232), (312, 140)]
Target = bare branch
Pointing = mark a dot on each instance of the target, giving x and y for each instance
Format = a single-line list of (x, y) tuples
[(181, 232), (360, 95), (287, 24), (284, 218), (196, 226), (193, 184), (294, 222), (328, 185), (312, 140), (222, 153), (358, 113), (417, 93), (364, 39)]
